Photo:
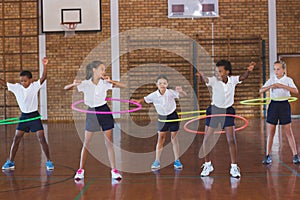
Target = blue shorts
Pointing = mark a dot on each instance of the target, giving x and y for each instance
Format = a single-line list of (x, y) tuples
[(33, 126), (168, 126), (279, 111), (225, 121), (95, 121)]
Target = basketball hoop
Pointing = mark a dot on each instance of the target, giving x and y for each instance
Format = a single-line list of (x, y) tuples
[(69, 28)]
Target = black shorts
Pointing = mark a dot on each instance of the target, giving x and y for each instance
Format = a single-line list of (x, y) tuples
[(225, 121), (168, 126), (279, 111), (95, 121), (33, 126)]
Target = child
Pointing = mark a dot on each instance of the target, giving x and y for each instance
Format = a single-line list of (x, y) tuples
[(280, 86), (95, 89), (26, 93), (223, 88), (165, 105)]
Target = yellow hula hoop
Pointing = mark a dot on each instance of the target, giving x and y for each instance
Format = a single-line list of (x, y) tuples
[(185, 118), (253, 102)]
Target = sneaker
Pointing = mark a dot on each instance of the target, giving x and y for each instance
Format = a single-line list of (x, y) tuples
[(8, 165), (267, 160), (177, 164), (79, 174), (49, 165), (235, 171), (207, 168), (296, 159), (155, 165), (115, 181), (115, 174)]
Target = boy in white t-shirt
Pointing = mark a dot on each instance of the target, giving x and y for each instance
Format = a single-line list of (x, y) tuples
[(165, 105), (26, 93), (223, 89), (279, 109)]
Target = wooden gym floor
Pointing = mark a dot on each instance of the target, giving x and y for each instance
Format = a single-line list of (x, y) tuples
[(30, 180)]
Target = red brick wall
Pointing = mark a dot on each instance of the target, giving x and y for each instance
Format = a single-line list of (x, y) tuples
[(238, 18)]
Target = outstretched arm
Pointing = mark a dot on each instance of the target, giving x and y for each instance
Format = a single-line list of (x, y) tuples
[(74, 84), (140, 101), (249, 69), (202, 78), (44, 76), (115, 83)]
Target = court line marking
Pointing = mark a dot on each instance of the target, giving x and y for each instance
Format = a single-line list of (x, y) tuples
[(78, 197)]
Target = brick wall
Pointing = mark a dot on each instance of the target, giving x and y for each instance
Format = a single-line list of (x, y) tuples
[(238, 18), (288, 27)]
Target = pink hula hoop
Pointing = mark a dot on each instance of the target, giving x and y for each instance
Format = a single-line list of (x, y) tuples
[(139, 106), (216, 115)]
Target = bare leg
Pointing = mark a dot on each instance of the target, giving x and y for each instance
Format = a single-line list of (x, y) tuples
[(110, 148), (230, 135), (41, 137), (160, 143), (289, 133), (271, 132), (175, 144), (84, 151), (15, 145), (209, 131)]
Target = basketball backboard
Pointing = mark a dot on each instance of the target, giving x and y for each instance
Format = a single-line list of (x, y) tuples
[(86, 16)]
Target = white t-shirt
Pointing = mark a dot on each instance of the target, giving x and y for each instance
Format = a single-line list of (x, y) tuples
[(280, 92), (223, 93), (94, 95), (27, 98), (164, 104)]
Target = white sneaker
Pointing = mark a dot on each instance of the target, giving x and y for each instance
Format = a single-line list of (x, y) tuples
[(115, 174), (79, 174), (235, 171), (207, 168)]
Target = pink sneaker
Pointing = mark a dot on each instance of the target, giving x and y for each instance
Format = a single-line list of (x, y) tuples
[(79, 174), (115, 174)]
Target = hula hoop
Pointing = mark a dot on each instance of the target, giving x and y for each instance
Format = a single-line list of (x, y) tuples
[(217, 115), (16, 120), (185, 118), (267, 100), (9, 119), (139, 106)]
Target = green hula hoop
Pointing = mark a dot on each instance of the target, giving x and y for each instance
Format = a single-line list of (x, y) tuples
[(16, 120), (185, 118), (9, 119), (253, 102)]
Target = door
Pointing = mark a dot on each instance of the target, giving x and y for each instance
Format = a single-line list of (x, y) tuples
[(293, 71)]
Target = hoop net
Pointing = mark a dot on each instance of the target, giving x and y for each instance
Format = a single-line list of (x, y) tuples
[(69, 29)]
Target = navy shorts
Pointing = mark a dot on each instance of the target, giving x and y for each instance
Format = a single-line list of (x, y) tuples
[(279, 111), (168, 126), (33, 126), (225, 121), (95, 121)]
